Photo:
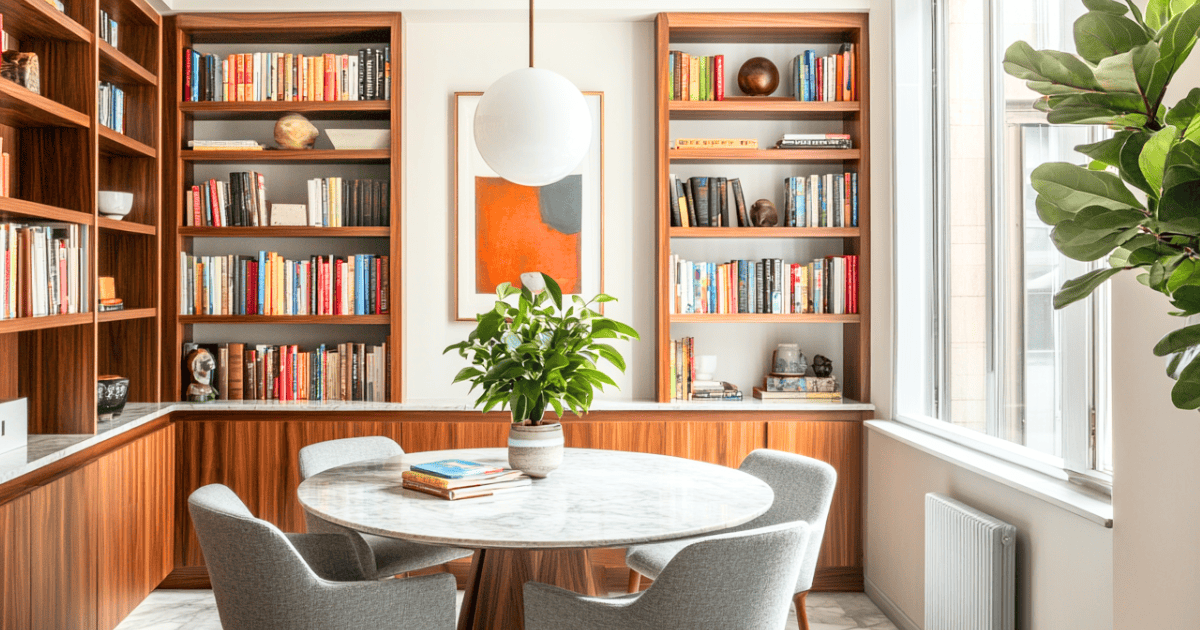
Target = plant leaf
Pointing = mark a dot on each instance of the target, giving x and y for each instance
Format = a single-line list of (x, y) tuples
[(1153, 159), (1175, 42), (554, 289), (466, 373), (1071, 187), (1078, 288), (1157, 13), (1104, 33), (1108, 6), (1186, 116), (1186, 392), (1107, 151), (1049, 66), (1129, 161), (611, 355)]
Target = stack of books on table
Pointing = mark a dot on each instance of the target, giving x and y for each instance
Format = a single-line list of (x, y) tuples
[(454, 479)]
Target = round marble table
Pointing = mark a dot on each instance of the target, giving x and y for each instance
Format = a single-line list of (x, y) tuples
[(595, 499)]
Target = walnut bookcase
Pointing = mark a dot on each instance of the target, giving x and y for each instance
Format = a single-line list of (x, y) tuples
[(751, 29), (258, 32), (61, 157)]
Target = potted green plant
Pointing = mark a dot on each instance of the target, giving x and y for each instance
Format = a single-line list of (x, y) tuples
[(539, 355), (1136, 204)]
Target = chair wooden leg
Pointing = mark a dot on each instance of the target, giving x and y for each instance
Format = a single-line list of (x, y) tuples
[(801, 611), (635, 581)]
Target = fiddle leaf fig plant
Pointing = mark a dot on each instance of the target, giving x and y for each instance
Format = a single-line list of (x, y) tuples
[(1136, 204), (541, 353)]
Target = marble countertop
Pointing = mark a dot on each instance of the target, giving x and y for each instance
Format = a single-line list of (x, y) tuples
[(595, 499), (44, 449)]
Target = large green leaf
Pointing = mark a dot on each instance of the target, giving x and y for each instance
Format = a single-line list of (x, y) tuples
[(1050, 213), (1085, 249), (1186, 392), (1108, 6), (1176, 40), (1186, 116), (1153, 159), (1078, 288), (1180, 199), (1049, 66), (1117, 73), (1101, 34), (1071, 187), (1128, 160), (1107, 151), (1138, 251), (1114, 104), (1157, 13)]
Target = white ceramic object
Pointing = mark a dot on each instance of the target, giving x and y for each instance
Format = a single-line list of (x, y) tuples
[(359, 139), (535, 450), (114, 205), (533, 127), (706, 364)]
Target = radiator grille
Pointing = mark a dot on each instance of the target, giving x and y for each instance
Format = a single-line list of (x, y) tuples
[(970, 572)]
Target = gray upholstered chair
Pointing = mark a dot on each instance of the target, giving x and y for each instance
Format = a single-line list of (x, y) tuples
[(739, 581), (380, 556), (264, 578), (803, 491)]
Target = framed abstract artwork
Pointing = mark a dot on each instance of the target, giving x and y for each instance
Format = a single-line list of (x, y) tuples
[(504, 229)]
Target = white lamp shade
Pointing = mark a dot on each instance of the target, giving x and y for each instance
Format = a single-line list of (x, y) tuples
[(533, 127)]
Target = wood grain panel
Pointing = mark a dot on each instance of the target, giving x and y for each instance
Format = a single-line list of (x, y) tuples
[(58, 375), (63, 518), (258, 461), (436, 436), (839, 444), (495, 598), (724, 443), (14, 565), (641, 437)]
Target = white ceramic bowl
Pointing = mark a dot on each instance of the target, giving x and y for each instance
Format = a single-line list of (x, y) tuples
[(345, 139), (115, 205)]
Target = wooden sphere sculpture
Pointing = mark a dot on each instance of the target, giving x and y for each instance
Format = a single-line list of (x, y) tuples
[(758, 77)]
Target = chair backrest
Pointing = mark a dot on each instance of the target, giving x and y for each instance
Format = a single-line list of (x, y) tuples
[(803, 491), (249, 560), (739, 581), (319, 457)]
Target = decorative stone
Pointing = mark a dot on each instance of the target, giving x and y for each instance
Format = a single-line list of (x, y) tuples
[(535, 450), (294, 131), (822, 365)]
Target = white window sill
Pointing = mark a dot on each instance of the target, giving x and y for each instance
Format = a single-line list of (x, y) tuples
[(1085, 502)]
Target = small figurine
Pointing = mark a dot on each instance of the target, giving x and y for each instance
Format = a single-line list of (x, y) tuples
[(201, 365), (764, 214), (822, 366)]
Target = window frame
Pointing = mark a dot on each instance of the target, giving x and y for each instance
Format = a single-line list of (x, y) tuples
[(920, 26)]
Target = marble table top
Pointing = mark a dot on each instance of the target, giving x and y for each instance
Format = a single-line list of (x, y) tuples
[(595, 499)]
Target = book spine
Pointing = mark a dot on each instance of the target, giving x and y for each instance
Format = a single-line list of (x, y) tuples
[(719, 75)]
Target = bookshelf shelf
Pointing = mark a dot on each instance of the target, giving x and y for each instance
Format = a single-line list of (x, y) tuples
[(117, 143), (229, 33), (36, 19), (129, 313), (763, 318), (775, 232), (344, 320), (762, 108), (125, 225), (23, 324), (142, 11), (270, 110), (19, 208), (21, 108), (281, 231), (116, 67), (763, 155), (317, 156)]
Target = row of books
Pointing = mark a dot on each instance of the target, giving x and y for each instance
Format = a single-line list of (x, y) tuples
[(826, 285), (269, 284), (682, 368), (45, 269), (829, 200), (826, 78), (345, 371), (695, 78), (277, 76), (455, 479), (111, 107), (108, 28), (707, 202), (239, 202), (340, 202)]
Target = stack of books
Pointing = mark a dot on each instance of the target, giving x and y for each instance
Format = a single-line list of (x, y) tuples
[(454, 479), (225, 145)]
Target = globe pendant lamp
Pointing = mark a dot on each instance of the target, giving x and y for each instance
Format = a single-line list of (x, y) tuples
[(532, 126)]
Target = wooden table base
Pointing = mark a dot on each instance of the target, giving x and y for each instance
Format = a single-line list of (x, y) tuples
[(495, 598)]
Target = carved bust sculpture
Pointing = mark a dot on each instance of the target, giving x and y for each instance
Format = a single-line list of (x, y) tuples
[(201, 365)]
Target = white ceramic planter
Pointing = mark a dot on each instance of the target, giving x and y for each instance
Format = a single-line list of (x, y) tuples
[(535, 450)]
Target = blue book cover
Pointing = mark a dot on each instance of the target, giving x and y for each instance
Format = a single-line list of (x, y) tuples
[(854, 199), (821, 212), (360, 288), (455, 468), (741, 289), (801, 204), (195, 76), (262, 281), (712, 287), (295, 288)]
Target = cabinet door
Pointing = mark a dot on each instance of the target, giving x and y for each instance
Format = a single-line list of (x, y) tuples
[(63, 519), (14, 564)]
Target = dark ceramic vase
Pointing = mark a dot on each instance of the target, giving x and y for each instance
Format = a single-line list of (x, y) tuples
[(111, 392)]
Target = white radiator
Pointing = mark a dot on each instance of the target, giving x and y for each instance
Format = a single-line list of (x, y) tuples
[(970, 568)]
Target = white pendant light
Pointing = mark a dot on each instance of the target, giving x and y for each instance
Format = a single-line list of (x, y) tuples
[(532, 126)]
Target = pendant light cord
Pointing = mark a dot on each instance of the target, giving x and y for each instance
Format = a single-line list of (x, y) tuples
[(530, 33)]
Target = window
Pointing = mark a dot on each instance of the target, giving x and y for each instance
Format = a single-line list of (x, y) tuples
[(982, 354)]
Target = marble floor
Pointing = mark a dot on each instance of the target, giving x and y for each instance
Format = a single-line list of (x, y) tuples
[(196, 610)]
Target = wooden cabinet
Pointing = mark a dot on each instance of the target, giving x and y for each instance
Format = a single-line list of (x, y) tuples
[(134, 550), (14, 564), (63, 523)]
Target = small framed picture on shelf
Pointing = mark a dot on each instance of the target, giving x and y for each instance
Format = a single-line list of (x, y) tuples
[(504, 229)]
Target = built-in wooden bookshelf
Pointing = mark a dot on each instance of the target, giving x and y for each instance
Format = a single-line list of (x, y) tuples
[(61, 158), (187, 120), (748, 30)]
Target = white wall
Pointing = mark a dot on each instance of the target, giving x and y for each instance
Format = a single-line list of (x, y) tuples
[(1064, 562)]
